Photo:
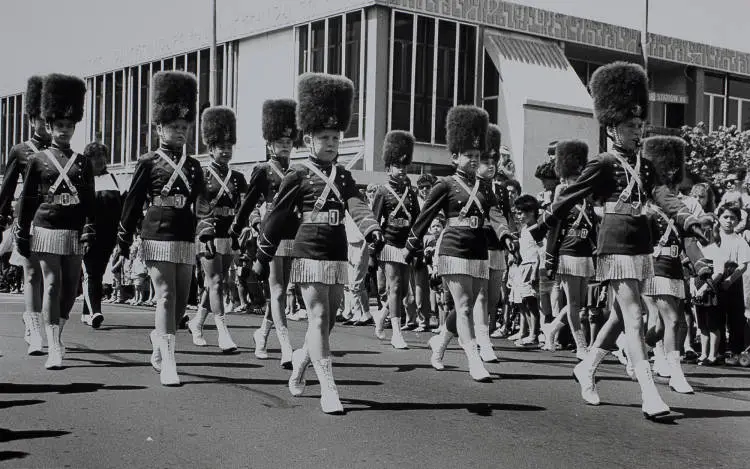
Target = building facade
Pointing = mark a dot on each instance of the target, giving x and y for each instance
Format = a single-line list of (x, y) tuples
[(410, 61)]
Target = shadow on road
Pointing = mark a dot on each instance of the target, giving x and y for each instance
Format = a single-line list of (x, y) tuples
[(9, 404), (7, 435), (482, 409), (8, 455), (72, 388)]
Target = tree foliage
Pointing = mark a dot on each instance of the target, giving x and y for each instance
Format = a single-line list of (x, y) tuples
[(711, 155)]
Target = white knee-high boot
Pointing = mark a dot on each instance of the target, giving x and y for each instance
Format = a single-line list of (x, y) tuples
[(476, 368), (397, 338), (438, 344), (168, 375), (226, 344), (584, 373), (54, 352), (300, 362), (486, 352), (329, 394), (653, 405), (33, 333), (260, 337), (155, 350), (195, 326), (677, 381), (282, 333)]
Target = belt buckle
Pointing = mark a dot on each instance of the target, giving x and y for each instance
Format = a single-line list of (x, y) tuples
[(65, 199), (474, 222), (674, 251), (583, 233), (333, 217), (179, 201)]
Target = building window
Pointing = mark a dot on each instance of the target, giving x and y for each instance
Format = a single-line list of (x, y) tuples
[(336, 45), (674, 115), (714, 101), (14, 125), (120, 104), (433, 68), (738, 104), (490, 88)]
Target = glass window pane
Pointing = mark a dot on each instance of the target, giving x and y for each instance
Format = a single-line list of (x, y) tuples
[(98, 109), (402, 53), (19, 118), (718, 116), (581, 70), (745, 117), (180, 63), (145, 106), (220, 53), (733, 110), (117, 147), (134, 113), (3, 134), (203, 88), (154, 136), (192, 64), (353, 60), (467, 70), (490, 105), (318, 45), (445, 76), (714, 84), (107, 131), (423, 79), (334, 45), (11, 118), (739, 88), (302, 49), (491, 77), (675, 117)]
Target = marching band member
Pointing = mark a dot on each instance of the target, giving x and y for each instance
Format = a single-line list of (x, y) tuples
[(171, 181), (664, 293), (108, 208), (462, 254), (17, 161), (570, 248), (58, 198), (280, 133), (321, 190), (215, 208), (395, 207), (624, 245)]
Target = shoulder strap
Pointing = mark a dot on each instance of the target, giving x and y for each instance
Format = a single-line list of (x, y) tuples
[(275, 169), (224, 188), (330, 186), (634, 173), (32, 145), (472, 196), (62, 172), (176, 172), (400, 200)]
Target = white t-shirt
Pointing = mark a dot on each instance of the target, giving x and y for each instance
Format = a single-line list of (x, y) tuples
[(733, 248), (529, 249)]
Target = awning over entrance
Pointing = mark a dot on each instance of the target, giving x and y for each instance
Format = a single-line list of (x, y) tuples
[(541, 99)]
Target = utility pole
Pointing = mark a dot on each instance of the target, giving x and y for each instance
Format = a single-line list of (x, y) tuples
[(214, 80), (644, 40)]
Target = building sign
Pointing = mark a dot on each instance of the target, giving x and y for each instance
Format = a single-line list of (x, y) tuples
[(548, 24), (667, 98)]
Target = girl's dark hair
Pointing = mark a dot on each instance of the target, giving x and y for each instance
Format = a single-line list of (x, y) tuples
[(526, 203), (512, 182), (727, 207)]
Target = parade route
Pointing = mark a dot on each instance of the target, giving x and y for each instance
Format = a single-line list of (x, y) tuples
[(106, 409)]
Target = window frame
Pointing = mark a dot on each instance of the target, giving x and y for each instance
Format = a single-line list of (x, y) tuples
[(435, 50)]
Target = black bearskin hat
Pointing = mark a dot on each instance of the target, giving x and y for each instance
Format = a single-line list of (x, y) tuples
[(398, 147), (279, 119), (33, 98), (95, 149), (62, 97), (173, 97), (570, 157), (552, 148), (466, 129), (218, 126), (325, 102), (620, 92), (494, 140), (668, 155), (546, 171)]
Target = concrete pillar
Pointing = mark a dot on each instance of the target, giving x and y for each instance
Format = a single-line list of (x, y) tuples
[(376, 85)]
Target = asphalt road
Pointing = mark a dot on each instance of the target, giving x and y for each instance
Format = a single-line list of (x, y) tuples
[(108, 410)]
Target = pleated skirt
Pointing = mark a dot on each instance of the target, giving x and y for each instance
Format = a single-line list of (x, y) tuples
[(621, 267), (663, 286), (58, 242), (176, 252), (477, 268), (319, 271)]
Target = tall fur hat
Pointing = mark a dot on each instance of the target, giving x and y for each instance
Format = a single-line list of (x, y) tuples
[(398, 147), (33, 98), (279, 119), (668, 155), (466, 129), (325, 102), (552, 148), (546, 170), (570, 157), (494, 139), (218, 126), (173, 97), (62, 97), (620, 92)]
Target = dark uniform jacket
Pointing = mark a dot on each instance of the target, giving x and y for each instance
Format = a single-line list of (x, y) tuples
[(666, 264), (108, 207), (35, 204), (619, 233), (497, 188), (263, 186), (17, 160), (217, 215), (459, 241), (162, 223), (299, 191), (394, 220), (575, 236)]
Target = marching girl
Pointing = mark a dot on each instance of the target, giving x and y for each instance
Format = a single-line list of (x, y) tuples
[(171, 181), (108, 206), (624, 245), (462, 253), (570, 247), (58, 198), (321, 190), (280, 134), (496, 250), (664, 293), (17, 161), (215, 208), (395, 206)]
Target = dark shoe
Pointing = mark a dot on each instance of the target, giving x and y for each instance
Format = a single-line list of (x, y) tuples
[(96, 320), (691, 356), (183, 321), (367, 322)]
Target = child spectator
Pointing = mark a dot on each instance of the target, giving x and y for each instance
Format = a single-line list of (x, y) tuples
[(528, 271)]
